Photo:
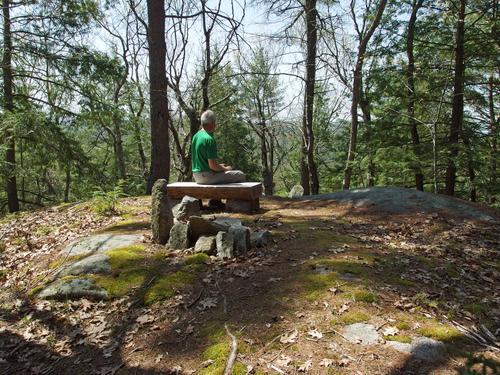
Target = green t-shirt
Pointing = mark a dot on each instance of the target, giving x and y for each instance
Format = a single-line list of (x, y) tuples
[(203, 148)]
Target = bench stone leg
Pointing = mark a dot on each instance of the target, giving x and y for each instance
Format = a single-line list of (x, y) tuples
[(236, 205)]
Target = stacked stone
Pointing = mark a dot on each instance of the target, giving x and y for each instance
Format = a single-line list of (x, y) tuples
[(182, 226)]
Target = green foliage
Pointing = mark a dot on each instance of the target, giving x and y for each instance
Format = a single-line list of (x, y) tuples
[(106, 203)]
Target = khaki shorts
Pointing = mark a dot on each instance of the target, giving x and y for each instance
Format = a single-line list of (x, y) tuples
[(225, 177)]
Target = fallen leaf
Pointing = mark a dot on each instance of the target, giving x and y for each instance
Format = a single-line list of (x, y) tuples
[(289, 338), (326, 362), (145, 319), (207, 303), (390, 331), (283, 361), (306, 366), (315, 334)]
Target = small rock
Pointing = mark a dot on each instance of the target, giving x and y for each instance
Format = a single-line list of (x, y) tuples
[(74, 288), (162, 218), (203, 227), (241, 237), (422, 348), (205, 244), (227, 221), (179, 237), (93, 264), (100, 243), (361, 333), (188, 207), (297, 191), (225, 245), (427, 349), (260, 238)]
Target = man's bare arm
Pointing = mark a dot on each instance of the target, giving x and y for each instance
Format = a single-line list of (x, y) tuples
[(216, 167)]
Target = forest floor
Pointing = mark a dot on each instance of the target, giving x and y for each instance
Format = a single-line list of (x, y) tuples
[(411, 274)]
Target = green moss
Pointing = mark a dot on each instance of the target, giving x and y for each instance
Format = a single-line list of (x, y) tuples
[(452, 271), (128, 225), (440, 332), (126, 257), (167, 285), (122, 284), (199, 258), (33, 292), (213, 331), (399, 338), (402, 325), (477, 308), (315, 284), (351, 317), (361, 295), (43, 230), (219, 353)]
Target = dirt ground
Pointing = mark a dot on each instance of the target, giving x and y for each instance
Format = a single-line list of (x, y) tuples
[(412, 274)]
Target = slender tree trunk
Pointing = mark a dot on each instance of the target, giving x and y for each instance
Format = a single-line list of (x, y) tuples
[(310, 83), (458, 101), (410, 78), (140, 147), (67, 183), (356, 95), (160, 152), (119, 153), (493, 142), (364, 104), (304, 170), (8, 97)]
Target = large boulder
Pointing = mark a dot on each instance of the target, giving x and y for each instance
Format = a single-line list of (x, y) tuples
[(99, 243), (241, 236), (203, 227), (93, 264), (297, 191), (205, 244), (188, 207), (74, 288), (225, 245), (162, 218), (179, 237), (260, 238)]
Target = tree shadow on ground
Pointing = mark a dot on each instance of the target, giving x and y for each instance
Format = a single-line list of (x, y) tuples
[(260, 298)]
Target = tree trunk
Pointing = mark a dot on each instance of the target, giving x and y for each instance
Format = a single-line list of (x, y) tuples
[(8, 97), (304, 170), (160, 152), (458, 101), (310, 82), (119, 153), (356, 95), (493, 142), (410, 78), (364, 104), (67, 183)]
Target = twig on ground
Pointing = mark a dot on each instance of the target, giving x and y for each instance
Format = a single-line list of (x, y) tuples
[(232, 354), (191, 304), (337, 333)]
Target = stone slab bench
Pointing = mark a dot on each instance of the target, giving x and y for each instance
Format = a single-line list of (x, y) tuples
[(240, 197)]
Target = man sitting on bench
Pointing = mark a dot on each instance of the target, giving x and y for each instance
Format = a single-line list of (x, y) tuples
[(206, 170)]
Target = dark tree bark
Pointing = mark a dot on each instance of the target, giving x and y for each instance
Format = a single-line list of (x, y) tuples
[(8, 96), (310, 82), (160, 152), (410, 78), (493, 140), (356, 94), (458, 101)]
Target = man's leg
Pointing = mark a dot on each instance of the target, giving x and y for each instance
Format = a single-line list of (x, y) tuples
[(212, 178)]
